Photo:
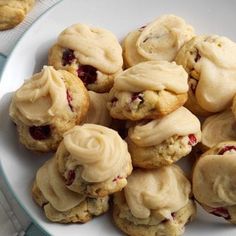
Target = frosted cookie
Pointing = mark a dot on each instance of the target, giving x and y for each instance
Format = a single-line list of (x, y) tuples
[(159, 40), (58, 202), (218, 128), (94, 160), (214, 180), (93, 54), (98, 112), (163, 141), (13, 12), (47, 105), (211, 64), (154, 203), (148, 90)]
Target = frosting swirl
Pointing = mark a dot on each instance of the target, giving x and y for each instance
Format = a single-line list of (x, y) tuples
[(98, 112), (217, 72), (53, 188), (93, 46), (162, 39), (164, 191), (218, 128), (180, 122), (153, 75), (214, 179), (41, 98), (100, 150)]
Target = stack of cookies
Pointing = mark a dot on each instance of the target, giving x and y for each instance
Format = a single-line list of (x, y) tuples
[(118, 129)]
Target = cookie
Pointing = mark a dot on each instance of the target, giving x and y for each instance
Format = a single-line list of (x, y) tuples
[(163, 141), (218, 128), (161, 206), (210, 62), (148, 90), (47, 105), (94, 160), (214, 180), (58, 202), (93, 54), (158, 40), (13, 12), (98, 112)]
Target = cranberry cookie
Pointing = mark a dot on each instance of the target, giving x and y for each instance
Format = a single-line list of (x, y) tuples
[(93, 54), (214, 180), (148, 90), (154, 203), (46, 106), (163, 141), (58, 202), (159, 40), (13, 12), (211, 64), (94, 160)]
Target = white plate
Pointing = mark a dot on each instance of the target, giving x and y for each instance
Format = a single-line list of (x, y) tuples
[(19, 165)]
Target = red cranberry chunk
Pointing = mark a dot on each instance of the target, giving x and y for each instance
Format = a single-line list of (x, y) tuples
[(226, 149), (221, 212), (70, 177), (67, 57), (137, 96), (192, 139), (69, 99), (40, 132), (197, 56), (87, 73)]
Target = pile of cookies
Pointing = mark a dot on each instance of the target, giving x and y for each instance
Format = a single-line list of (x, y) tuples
[(118, 119)]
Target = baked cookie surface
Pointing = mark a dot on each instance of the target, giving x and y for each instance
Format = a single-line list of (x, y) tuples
[(93, 54), (94, 160), (162, 206), (210, 62), (148, 90), (47, 105), (163, 141), (158, 40), (214, 180), (13, 12)]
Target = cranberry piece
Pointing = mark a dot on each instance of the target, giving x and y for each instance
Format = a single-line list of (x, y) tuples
[(192, 139), (87, 73), (221, 212), (113, 101), (226, 149), (67, 57), (69, 99), (70, 177), (40, 132), (117, 178), (197, 56), (137, 96)]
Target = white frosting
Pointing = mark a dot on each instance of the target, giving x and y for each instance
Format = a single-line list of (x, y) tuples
[(164, 190), (218, 128), (53, 188), (93, 46), (180, 122), (100, 150), (153, 75), (41, 98)]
